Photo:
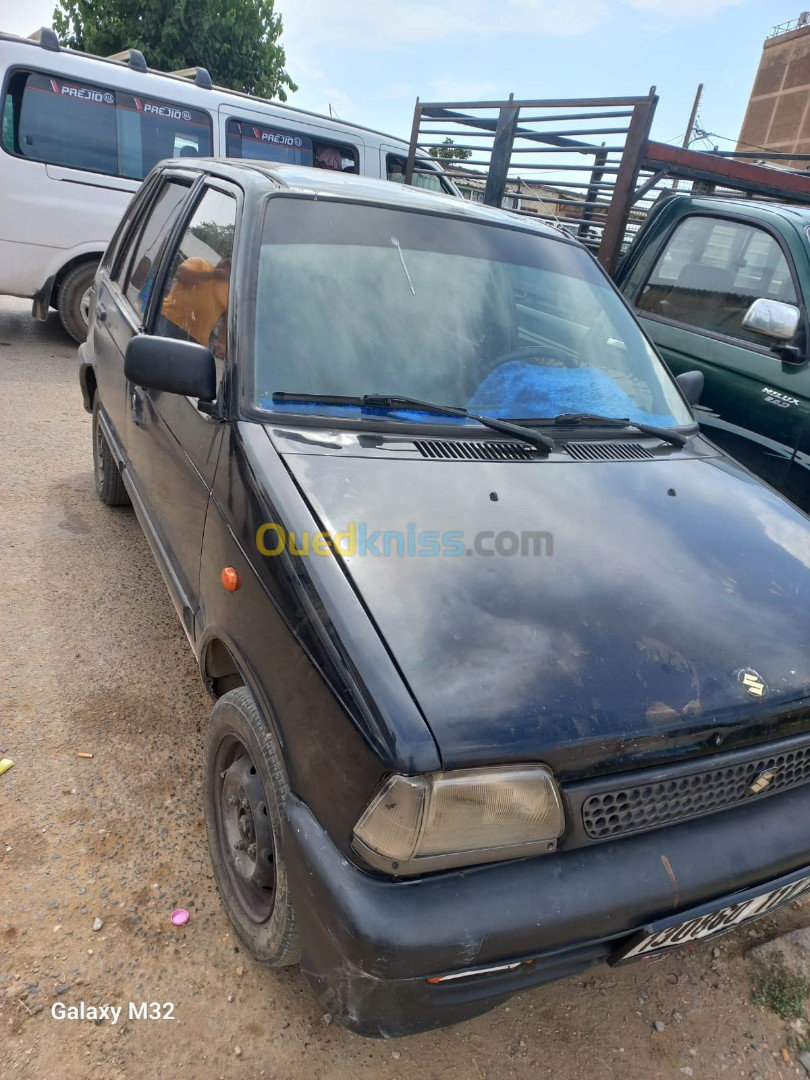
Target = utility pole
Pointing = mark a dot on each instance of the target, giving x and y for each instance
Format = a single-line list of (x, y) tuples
[(690, 127)]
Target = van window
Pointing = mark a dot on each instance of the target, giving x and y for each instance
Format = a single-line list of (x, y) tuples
[(150, 130), (335, 156), (248, 140), (92, 127), (8, 123), (424, 175), (68, 124)]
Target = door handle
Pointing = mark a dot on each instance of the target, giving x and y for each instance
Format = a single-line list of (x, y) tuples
[(101, 312)]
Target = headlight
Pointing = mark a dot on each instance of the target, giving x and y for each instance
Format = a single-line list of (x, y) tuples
[(419, 823)]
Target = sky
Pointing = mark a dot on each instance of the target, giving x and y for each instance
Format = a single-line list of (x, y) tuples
[(370, 59)]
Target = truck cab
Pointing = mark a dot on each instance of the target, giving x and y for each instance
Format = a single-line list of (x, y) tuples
[(693, 275)]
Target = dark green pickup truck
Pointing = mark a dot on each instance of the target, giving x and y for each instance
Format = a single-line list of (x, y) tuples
[(721, 286)]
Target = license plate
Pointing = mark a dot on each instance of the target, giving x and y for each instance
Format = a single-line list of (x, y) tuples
[(707, 922)]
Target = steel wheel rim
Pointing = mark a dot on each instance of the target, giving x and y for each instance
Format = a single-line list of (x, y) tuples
[(84, 305), (244, 830)]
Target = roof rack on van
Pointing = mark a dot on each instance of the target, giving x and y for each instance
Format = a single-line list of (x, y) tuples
[(200, 75), (46, 38), (133, 57)]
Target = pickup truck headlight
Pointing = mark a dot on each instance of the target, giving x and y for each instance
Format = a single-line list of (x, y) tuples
[(418, 823)]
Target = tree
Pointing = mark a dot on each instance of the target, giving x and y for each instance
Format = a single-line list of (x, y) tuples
[(448, 152), (237, 40)]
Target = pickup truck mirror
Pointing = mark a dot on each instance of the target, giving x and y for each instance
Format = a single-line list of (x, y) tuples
[(773, 318), (691, 384), (177, 367)]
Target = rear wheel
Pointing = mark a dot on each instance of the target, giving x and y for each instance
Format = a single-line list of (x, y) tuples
[(245, 788), (109, 484), (73, 302)]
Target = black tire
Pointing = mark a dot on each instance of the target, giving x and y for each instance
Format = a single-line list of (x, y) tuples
[(245, 786), (71, 301), (109, 484)]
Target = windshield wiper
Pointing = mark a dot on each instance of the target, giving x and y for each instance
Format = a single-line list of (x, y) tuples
[(400, 401), (667, 434)]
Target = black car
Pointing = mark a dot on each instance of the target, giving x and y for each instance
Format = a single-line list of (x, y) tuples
[(511, 668)]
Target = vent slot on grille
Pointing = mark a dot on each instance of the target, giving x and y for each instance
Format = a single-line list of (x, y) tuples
[(644, 806), (609, 451), (466, 450)]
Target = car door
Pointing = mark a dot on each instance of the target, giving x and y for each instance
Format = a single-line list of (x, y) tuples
[(173, 441), (692, 304)]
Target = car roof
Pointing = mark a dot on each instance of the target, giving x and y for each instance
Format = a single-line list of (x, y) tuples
[(763, 209), (305, 180)]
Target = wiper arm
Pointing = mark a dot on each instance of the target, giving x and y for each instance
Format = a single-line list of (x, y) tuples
[(667, 434), (395, 401), (399, 401)]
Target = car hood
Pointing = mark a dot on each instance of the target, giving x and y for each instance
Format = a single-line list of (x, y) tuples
[(664, 612)]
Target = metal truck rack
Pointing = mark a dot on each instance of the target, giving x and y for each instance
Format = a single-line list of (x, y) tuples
[(586, 164)]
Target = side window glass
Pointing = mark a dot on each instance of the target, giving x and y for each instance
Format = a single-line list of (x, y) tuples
[(335, 156), (424, 175), (262, 143), (68, 123), (149, 131), (8, 123), (194, 303), (143, 262), (85, 126), (712, 270)]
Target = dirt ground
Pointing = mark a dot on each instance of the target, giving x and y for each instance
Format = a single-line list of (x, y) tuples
[(93, 660)]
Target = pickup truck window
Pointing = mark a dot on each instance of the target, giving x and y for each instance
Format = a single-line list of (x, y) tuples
[(711, 271), (358, 300)]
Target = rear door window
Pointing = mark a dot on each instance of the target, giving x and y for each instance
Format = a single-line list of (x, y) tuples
[(142, 264)]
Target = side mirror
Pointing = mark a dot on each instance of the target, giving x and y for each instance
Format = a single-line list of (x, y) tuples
[(691, 384), (772, 318), (177, 367)]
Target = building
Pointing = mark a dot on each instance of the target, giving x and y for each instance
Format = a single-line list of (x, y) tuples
[(778, 114)]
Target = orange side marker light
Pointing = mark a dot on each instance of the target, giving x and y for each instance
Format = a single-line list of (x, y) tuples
[(230, 579)]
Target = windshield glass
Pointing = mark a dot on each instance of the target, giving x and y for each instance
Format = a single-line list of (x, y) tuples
[(355, 300)]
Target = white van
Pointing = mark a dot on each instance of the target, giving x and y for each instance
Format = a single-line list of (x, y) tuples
[(80, 132)]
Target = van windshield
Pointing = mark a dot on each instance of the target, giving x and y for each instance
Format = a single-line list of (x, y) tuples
[(354, 300)]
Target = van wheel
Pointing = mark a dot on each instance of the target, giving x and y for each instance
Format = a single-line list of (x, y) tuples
[(73, 302), (244, 790), (109, 484)]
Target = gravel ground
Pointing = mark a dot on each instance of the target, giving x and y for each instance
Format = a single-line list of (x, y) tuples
[(93, 661)]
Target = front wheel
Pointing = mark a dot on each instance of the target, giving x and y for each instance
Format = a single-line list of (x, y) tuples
[(244, 790), (73, 302)]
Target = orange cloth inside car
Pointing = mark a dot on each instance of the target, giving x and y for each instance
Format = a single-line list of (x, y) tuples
[(196, 307)]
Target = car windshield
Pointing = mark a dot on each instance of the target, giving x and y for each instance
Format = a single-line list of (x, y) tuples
[(356, 299)]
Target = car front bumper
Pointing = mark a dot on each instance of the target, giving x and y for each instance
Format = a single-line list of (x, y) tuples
[(370, 944)]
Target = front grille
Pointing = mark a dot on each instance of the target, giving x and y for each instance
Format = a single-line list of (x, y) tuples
[(637, 807), (611, 451)]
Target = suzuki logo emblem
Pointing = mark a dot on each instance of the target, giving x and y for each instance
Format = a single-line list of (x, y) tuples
[(762, 782), (752, 682)]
